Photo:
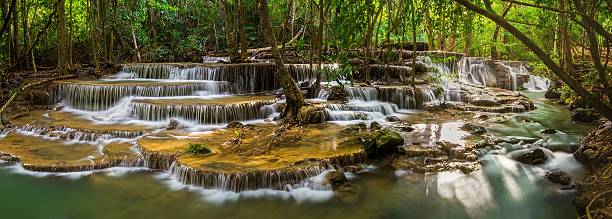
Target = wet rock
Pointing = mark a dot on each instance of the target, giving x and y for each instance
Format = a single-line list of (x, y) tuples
[(474, 129), (383, 142), (553, 91), (389, 140), (392, 119), (557, 176), (375, 126), (335, 179), (337, 94), (535, 156), (173, 124), (235, 124), (584, 115), (596, 147), (548, 131), (312, 115)]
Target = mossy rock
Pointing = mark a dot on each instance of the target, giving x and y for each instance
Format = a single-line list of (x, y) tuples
[(197, 149), (383, 142), (312, 115)]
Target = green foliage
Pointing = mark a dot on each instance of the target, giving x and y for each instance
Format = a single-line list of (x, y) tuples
[(197, 149)]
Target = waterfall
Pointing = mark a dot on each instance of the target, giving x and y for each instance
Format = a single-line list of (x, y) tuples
[(247, 78), (98, 97), (205, 114), (476, 71), (362, 93), (428, 95), (536, 83)]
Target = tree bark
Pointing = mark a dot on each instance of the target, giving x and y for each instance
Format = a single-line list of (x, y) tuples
[(244, 47), (230, 34), (7, 19), (600, 105), (295, 99), (62, 49)]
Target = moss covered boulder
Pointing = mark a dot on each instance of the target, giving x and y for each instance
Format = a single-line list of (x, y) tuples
[(383, 142)]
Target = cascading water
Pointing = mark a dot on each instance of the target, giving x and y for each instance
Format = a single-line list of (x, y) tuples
[(205, 114), (476, 71), (536, 83), (102, 96)]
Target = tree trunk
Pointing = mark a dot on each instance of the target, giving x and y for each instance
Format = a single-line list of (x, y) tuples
[(15, 39), (414, 47), (295, 99), (62, 49), (244, 46), (230, 34), (468, 35), (7, 19), (600, 105), (26, 32)]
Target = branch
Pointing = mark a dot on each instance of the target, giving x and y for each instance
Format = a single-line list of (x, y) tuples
[(21, 89), (600, 105), (596, 25)]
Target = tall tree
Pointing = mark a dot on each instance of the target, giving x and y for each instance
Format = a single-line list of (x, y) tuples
[(63, 64), (295, 99)]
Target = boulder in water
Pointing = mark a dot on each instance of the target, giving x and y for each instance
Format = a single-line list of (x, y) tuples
[(375, 126), (235, 124), (392, 119), (173, 124), (312, 115), (584, 115), (337, 93), (535, 156), (383, 142), (335, 178), (557, 176), (389, 140), (553, 91)]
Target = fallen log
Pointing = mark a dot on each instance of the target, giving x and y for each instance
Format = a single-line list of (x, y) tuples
[(20, 89)]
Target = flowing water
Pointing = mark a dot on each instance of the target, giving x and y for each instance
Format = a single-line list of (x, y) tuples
[(202, 98), (503, 188)]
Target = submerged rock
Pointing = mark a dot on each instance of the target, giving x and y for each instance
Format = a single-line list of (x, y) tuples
[(557, 176), (584, 115), (535, 156)]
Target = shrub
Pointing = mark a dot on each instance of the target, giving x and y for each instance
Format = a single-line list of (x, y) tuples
[(197, 149)]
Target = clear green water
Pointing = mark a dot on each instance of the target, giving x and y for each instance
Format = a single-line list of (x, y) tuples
[(502, 189)]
